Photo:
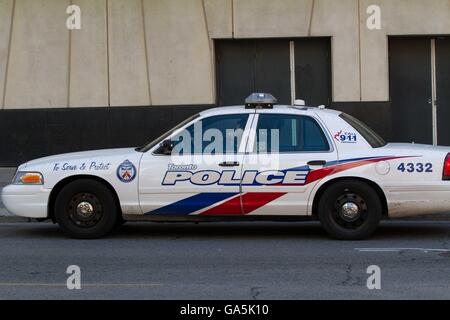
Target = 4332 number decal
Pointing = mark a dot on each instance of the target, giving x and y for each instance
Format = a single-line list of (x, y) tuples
[(415, 167)]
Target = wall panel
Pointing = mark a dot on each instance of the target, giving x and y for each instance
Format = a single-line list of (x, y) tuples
[(38, 65)]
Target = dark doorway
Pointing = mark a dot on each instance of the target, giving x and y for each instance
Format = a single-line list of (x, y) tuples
[(246, 66), (268, 65), (420, 89), (410, 89), (313, 70), (443, 90)]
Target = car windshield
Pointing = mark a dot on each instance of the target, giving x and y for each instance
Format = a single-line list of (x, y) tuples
[(151, 144), (371, 136)]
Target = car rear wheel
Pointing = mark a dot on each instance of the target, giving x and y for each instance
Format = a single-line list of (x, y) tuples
[(85, 209), (350, 210)]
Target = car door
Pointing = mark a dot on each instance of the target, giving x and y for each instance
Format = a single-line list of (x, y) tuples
[(287, 156), (202, 173)]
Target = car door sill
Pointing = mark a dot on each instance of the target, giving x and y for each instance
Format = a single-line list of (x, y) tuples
[(222, 218)]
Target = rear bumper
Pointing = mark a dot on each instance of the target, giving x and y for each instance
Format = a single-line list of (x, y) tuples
[(408, 201), (26, 201)]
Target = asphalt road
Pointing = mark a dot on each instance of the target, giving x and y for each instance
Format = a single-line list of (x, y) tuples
[(226, 261)]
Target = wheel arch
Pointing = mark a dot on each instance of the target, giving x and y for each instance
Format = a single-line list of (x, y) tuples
[(62, 183), (374, 185)]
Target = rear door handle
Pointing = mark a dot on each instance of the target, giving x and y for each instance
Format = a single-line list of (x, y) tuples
[(317, 163), (229, 164)]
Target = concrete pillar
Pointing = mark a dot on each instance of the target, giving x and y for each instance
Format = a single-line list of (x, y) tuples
[(6, 9), (179, 52), (89, 57), (268, 18), (339, 19), (219, 18), (38, 66), (127, 54)]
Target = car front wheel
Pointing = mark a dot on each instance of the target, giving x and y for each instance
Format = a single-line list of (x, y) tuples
[(350, 210), (85, 209)]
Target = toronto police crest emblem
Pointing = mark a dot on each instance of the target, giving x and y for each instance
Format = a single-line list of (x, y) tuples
[(126, 171)]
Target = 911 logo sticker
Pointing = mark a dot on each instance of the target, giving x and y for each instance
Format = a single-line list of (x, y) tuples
[(126, 171), (345, 137)]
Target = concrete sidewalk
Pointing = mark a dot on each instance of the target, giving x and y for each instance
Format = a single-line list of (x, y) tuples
[(6, 175)]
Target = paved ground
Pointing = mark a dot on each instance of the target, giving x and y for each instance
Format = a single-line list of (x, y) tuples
[(226, 261), (223, 261)]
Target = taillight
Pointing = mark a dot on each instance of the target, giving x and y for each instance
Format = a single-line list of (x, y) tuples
[(446, 171)]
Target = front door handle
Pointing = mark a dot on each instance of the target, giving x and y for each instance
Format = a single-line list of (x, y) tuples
[(317, 163), (229, 164)]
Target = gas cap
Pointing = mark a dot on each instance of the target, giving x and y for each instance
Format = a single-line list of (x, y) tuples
[(382, 167)]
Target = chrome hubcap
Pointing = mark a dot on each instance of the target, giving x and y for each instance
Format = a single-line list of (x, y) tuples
[(350, 211), (85, 209)]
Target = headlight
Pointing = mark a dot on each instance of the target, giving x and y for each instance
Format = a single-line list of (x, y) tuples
[(24, 177)]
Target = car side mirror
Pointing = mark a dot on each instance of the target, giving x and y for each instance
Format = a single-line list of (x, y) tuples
[(165, 147)]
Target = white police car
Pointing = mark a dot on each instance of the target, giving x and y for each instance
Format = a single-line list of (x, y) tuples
[(254, 162)]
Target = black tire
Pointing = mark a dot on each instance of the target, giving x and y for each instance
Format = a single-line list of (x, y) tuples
[(120, 222), (86, 209), (350, 210)]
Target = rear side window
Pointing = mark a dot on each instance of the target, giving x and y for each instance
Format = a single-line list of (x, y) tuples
[(289, 133), (367, 133)]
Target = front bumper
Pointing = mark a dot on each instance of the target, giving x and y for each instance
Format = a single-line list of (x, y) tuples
[(26, 201)]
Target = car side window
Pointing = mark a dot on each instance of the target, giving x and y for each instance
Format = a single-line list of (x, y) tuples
[(212, 135), (289, 133)]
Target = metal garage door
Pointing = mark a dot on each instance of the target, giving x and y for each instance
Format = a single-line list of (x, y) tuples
[(419, 89), (443, 91), (313, 70), (286, 68)]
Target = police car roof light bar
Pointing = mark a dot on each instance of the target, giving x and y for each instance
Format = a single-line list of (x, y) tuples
[(260, 100), (299, 102)]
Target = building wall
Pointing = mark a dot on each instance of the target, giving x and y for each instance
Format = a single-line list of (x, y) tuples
[(137, 67), (161, 52)]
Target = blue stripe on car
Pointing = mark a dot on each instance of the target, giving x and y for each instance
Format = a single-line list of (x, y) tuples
[(194, 203)]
